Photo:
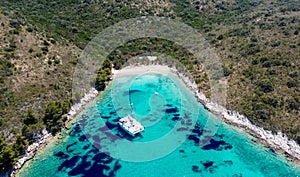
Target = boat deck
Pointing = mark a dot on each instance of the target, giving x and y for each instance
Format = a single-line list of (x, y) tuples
[(130, 125)]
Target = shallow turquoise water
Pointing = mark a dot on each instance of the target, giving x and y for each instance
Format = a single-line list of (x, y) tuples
[(175, 125)]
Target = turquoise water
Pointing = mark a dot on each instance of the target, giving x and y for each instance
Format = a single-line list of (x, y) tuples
[(176, 140)]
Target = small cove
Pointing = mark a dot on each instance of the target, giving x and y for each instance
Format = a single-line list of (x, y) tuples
[(96, 146)]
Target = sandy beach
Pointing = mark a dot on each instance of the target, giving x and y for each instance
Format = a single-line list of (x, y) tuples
[(278, 142)]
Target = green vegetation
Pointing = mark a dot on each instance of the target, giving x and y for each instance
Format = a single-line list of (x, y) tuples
[(103, 75), (32, 125), (258, 42), (53, 117), (9, 154)]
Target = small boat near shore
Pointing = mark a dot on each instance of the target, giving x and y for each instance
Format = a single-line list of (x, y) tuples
[(130, 125)]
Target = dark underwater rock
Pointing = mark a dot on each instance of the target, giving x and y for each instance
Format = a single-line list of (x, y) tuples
[(103, 158), (217, 145), (228, 162), (76, 130), (176, 118), (196, 169), (82, 138), (105, 117), (171, 110), (86, 147), (69, 163), (194, 138), (61, 155), (207, 164), (80, 169), (68, 148), (110, 125)]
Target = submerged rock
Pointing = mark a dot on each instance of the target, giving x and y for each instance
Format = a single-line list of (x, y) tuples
[(61, 155)]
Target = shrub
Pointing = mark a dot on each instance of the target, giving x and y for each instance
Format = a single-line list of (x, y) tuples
[(220, 37), (293, 105), (46, 43), (52, 41), (15, 24), (249, 73), (31, 131), (103, 75), (266, 64), (265, 86), (226, 71), (294, 74), (45, 49), (56, 61), (20, 145), (253, 39), (30, 50), (29, 29), (286, 64), (254, 62), (53, 117), (8, 49), (74, 61), (107, 64), (263, 59), (38, 54), (292, 83), (49, 62), (262, 111), (271, 71), (271, 101), (282, 24), (7, 156), (30, 117), (277, 62), (100, 81), (13, 44), (275, 44)]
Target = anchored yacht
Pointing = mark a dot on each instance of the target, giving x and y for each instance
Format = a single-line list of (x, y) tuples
[(130, 125)]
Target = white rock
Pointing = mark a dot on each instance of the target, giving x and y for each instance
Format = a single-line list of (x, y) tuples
[(278, 141)]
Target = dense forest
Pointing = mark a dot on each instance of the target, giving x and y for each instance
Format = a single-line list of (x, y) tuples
[(41, 41)]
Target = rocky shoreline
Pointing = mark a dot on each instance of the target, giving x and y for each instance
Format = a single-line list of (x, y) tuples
[(277, 142), (46, 136), (31, 151)]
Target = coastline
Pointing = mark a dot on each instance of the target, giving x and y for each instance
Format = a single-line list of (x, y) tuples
[(279, 142), (46, 136)]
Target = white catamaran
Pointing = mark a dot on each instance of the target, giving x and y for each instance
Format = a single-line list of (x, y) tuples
[(130, 125)]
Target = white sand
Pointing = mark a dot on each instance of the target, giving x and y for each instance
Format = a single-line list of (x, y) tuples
[(129, 70), (278, 142)]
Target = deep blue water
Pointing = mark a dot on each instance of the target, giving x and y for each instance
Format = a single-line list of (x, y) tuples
[(176, 140)]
